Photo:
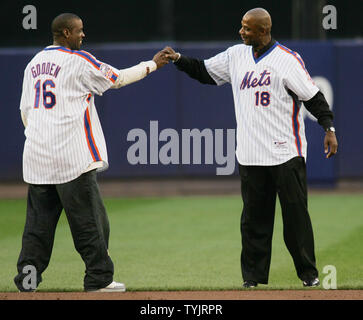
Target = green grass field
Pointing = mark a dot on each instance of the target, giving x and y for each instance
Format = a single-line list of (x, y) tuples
[(190, 243)]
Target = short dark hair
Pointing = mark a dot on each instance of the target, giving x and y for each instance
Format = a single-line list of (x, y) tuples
[(61, 22)]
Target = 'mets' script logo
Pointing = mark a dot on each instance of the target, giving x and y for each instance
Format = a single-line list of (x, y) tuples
[(250, 81)]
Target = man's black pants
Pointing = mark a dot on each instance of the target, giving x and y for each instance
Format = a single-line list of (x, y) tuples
[(259, 187), (87, 218)]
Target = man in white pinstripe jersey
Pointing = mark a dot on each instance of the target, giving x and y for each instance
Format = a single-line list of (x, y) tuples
[(64, 148), (269, 83)]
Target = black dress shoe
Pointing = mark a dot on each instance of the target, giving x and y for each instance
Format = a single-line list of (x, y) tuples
[(311, 282), (249, 284)]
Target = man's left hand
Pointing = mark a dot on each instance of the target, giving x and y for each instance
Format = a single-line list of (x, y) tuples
[(330, 144)]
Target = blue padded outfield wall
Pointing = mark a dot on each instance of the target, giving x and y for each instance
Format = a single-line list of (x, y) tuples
[(169, 103)]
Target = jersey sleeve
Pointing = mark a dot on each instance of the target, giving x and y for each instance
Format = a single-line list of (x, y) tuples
[(97, 76), (299, 81), (218, 67), (26, 101)]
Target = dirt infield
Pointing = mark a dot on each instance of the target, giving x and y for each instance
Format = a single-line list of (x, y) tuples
[(173, 187), (192, 295)]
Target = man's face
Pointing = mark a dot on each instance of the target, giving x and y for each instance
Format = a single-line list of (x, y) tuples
[(75, 35), (250, 32)]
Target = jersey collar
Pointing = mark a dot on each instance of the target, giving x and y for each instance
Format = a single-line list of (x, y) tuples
[(265, 51), (53, 47)]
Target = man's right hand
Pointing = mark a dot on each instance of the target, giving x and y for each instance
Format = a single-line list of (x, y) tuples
[(160, 59)]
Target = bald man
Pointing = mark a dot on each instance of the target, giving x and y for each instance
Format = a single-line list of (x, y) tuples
[(269, 84), (64, 149)]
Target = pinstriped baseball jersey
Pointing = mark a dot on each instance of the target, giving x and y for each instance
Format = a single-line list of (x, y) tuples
[(268, 92), (63, 132)]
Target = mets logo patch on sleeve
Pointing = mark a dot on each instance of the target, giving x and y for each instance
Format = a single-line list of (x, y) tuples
[(106, 70)]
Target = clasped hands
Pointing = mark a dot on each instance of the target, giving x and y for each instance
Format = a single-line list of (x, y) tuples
[(164, 56)]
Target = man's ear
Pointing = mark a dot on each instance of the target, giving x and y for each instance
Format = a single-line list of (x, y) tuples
[(66, 33)]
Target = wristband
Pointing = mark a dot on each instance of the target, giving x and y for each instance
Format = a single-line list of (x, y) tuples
[(179, 55)]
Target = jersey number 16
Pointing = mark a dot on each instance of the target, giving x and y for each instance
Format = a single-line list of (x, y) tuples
[(48, 96)]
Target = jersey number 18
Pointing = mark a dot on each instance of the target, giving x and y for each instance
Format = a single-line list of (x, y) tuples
[(263, 98)]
